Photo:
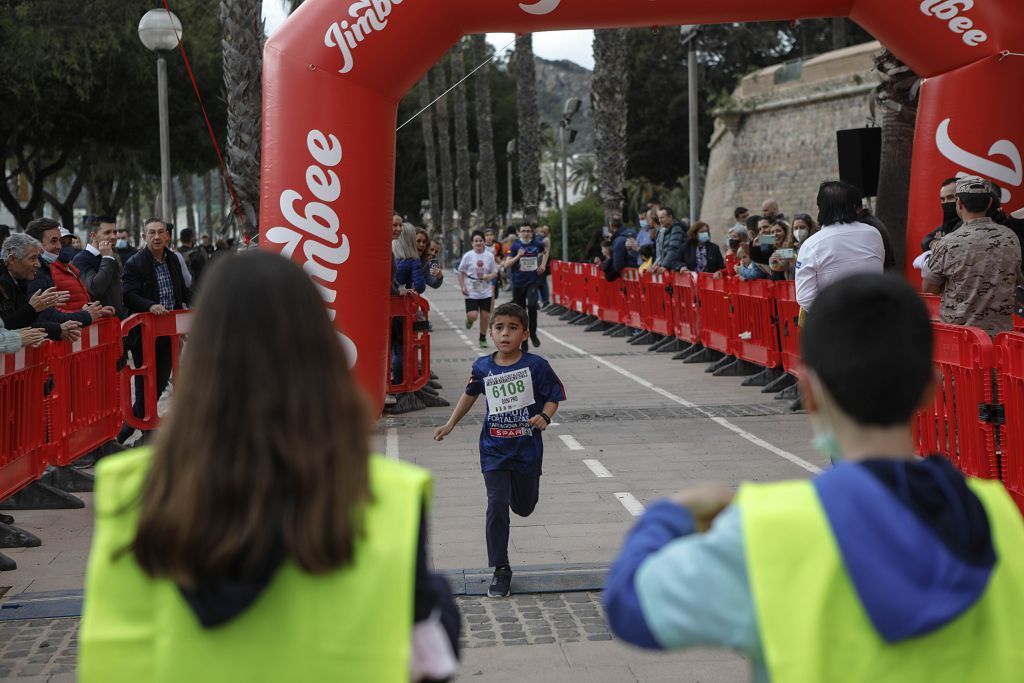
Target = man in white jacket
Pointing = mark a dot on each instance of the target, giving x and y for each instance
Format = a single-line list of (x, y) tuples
[(844, 246)]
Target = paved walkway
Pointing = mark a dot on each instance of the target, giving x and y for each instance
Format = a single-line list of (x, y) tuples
[(636, 426)]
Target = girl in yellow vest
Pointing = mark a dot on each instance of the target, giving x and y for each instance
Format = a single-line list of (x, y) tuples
[(258, 540), (885, 568)]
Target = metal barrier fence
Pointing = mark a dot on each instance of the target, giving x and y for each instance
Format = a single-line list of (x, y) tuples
[(976, 419), (413, 310)]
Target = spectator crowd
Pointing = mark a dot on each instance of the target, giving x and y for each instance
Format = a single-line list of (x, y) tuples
[(52, 286)]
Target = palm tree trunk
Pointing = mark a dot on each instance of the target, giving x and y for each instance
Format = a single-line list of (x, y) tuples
[(430, 150), (608, 97), (464, 185), (899, 114), (485, 132), (242, 43), (529, 126), (440, 79)]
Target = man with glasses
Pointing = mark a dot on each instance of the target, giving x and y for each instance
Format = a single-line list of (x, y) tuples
[(153, 283), (527, 261)]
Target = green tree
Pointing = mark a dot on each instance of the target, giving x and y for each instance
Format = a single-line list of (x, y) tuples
[(585, 217)]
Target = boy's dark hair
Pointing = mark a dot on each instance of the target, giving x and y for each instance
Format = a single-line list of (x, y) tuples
[(512, 311), (475, 233), (869, 339), (838, 202), (647, 251), (739, 211)]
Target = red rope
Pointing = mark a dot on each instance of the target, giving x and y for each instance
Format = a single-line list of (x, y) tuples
[(242, 220)]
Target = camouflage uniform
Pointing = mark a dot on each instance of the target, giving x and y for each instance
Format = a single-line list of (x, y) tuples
[(978, 264)]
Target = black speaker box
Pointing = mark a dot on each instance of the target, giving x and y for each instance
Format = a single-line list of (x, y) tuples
[(860, 156)]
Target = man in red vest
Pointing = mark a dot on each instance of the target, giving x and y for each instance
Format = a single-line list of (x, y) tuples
[(55, 270)]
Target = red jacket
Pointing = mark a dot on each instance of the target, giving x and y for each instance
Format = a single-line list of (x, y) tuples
[(65, 278)]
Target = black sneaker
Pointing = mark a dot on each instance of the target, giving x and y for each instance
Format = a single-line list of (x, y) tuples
[(535, 339), (501, 584)]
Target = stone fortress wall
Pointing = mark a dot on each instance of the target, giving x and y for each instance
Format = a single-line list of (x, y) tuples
[(778, 136)]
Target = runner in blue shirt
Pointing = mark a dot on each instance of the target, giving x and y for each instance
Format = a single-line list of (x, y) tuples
[(527, 259), (523, 394)]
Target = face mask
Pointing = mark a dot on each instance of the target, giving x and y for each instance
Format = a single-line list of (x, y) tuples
[(643, 223), (48, 257), (801, 234), (949, 214), (121, 244), (703, 236), (734, 244), (749, 272), (67, 253)]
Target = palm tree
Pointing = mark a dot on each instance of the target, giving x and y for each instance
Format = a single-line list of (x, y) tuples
[(583, 175), (464, 184), (430, 150), (439, 76), (608, 98), (897, 96), (528, 140), (243, 66), (485, 131)]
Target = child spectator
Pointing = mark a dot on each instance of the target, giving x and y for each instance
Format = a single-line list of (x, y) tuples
[(647, 254), (522, 394)]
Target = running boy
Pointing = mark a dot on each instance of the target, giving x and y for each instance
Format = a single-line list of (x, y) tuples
[(527, 260), (523, 394), (477, 271)]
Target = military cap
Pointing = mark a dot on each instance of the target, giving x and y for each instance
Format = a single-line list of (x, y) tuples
[(972, 184)]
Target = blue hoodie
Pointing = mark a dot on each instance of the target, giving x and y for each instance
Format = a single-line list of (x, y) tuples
[(915, 540)]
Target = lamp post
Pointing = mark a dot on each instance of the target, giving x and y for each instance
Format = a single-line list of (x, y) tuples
[(689, 35), (568, 136), (510, 150), (160, 30)]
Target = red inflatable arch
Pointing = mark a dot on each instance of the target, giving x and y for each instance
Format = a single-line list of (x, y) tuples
[(336, 70)]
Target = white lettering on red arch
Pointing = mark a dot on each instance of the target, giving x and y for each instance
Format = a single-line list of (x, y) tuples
[(367, 17)]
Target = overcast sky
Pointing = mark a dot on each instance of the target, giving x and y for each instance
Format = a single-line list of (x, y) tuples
[(576, 46)]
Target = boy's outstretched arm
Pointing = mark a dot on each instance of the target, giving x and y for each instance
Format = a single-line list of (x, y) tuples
[(461, 408), (538, 422)]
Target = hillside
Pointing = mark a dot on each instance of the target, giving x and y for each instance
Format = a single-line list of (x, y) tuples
[(556, 82)]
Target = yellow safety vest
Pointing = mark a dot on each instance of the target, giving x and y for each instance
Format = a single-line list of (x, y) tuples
[(814, 628), (353, 624)]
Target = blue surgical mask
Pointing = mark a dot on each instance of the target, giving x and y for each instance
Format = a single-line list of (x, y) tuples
[(825, 441), (643, 223), (121, 244), (48, 257), (749, 272), (703, 236)]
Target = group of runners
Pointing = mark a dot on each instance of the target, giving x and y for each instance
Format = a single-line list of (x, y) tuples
[(479, 278)]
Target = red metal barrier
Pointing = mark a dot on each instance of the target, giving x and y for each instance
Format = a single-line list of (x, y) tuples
[(959, 423), (755, 321), (151, 327), (716, 328), (633, 303), (613, 301), (86, 402), (594, 277), (23, 437), (686, 316), (659, 314), (1009, 356), (558, 292), (414, 312), (577, 288), (789, 326)]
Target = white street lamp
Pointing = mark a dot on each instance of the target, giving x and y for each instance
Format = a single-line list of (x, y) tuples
[(159, 31)]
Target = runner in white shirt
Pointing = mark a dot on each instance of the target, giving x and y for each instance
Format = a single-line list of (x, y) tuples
[(477, 272), (842, 247)]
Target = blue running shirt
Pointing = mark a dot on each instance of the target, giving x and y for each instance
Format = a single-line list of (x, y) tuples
[(514, 394), (524, 271)]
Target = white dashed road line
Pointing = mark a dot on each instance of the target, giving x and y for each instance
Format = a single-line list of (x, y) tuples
[(391, 443), (571, 443), (632, 505), (453, 326), (757, 441), (599, 470)]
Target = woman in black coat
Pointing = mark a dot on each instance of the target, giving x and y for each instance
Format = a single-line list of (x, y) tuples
[(700, 254)]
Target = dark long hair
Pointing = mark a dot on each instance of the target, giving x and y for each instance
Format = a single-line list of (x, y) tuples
[(266, 446), (838, 202)]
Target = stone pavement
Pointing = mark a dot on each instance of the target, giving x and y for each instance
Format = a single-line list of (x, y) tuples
[(636, 426)]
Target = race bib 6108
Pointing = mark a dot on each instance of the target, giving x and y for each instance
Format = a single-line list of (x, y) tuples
[(509, 391)]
